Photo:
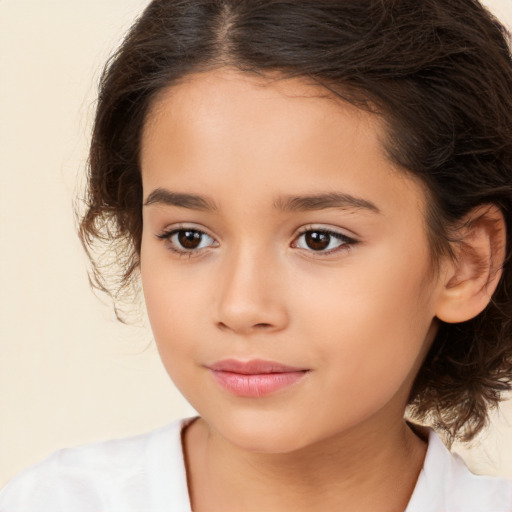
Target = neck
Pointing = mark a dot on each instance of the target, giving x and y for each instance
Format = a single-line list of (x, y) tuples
[(366, 469)]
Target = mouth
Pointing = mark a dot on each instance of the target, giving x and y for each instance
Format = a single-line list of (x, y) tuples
[(255, 378)]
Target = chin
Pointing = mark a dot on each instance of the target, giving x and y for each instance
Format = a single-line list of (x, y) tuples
[(260, 432), (265, 442)]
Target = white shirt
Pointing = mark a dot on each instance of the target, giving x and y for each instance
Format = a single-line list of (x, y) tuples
[(146, 473)]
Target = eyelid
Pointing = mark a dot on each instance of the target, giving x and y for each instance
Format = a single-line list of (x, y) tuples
[(348, 241), (178, 226), (327, 228), (335, 232), (169, 231)]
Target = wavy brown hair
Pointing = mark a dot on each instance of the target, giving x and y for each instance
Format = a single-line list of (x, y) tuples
[(438, 72)]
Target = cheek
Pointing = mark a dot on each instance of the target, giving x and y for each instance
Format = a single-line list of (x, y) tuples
[(177, 304), (372, 323), (171, 320), (163, 294)]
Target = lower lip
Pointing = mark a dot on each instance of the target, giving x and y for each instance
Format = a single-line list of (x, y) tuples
[(256, 385)]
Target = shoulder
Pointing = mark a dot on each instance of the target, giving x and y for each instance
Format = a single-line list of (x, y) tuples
[(446, 484), (144, 472)]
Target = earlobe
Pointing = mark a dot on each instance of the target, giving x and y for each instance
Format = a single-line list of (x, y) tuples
[(470, 279)]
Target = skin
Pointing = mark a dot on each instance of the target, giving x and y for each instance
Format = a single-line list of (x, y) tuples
[(360, 318)]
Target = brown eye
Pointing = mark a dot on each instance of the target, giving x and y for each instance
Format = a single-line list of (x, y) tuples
[(317, 241), (189, 239), (322, 241)]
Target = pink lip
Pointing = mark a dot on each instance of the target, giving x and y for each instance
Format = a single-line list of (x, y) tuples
[(256, 378)]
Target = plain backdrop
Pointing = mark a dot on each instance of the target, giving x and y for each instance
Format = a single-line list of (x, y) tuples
[(69, 372)]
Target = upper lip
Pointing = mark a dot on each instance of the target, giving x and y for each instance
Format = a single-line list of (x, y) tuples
[(252, 367)]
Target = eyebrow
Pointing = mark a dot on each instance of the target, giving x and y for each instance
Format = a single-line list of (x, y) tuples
[(313, 202), (190, 201), (324, 201)]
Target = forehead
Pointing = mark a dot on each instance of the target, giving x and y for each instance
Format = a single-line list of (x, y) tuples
[(279, 136), (209, 104), (192, 89)]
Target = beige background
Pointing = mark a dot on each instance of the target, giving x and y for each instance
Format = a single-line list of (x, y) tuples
[(69, 373)]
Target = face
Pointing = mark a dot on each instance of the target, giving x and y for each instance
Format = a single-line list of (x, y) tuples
[(284, 260)]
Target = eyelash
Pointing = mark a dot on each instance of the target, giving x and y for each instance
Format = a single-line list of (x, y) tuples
[(167, 236), (346, 242)]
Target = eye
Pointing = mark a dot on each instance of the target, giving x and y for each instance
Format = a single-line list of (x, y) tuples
[(322, 240), (187, 240)]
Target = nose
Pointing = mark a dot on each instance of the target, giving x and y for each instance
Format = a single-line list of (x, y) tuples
[(251, 297)]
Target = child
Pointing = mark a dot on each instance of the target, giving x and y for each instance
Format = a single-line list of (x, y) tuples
[(317, 198)]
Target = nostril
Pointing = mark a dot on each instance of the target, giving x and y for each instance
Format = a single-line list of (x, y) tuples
[(262, 326), (259, 326)]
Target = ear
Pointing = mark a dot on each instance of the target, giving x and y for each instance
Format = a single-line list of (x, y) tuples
[(471, 277)]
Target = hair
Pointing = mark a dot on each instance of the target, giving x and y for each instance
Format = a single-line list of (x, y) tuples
[(438, 72)]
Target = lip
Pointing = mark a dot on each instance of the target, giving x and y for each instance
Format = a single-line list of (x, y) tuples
[(256, 378)]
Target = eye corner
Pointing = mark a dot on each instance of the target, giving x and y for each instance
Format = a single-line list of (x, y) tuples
[(323, 241), (183, 240)]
